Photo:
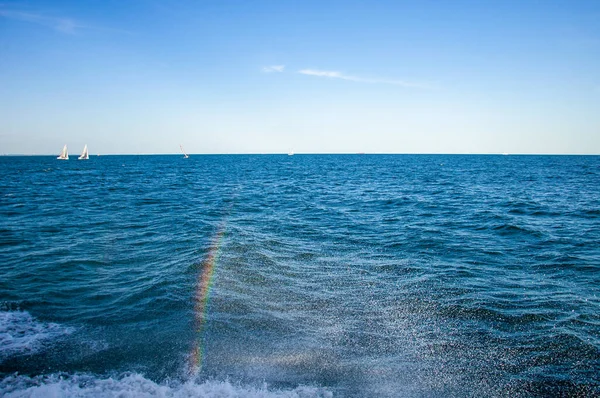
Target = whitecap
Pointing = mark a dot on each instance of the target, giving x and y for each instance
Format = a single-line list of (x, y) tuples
[(136, 385), (22, 334)]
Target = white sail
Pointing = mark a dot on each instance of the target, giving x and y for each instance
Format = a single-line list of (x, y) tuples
[(185, 155), (64, 154), (84, 154)]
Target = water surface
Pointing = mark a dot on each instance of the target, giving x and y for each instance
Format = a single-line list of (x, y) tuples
[(332, 275)]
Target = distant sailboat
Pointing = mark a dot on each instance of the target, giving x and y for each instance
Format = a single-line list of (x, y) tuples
[(64, 154), (84, 154), (185, 155), (291, 152)]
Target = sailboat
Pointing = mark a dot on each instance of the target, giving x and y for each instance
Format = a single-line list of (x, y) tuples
[(64, 154), (185, 155), (84, 154)]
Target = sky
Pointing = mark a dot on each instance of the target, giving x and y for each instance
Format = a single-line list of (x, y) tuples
[(144, 76)]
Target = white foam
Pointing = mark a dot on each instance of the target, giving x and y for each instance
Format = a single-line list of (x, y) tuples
[(136, 385), (22, 334)]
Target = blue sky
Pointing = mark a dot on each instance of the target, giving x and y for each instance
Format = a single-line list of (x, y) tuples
[(313, 76)]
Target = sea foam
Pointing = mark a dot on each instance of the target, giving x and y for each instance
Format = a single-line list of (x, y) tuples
[(136, 385), (22, 334)]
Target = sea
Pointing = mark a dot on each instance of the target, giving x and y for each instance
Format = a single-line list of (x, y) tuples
[(300, 276)]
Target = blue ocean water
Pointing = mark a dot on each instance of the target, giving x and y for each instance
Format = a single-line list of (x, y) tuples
[(333, 276)]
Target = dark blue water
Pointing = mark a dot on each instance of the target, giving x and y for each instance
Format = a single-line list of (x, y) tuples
[(337, 275)]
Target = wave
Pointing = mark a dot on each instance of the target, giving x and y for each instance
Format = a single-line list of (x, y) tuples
[(136, 385), (22, 334)]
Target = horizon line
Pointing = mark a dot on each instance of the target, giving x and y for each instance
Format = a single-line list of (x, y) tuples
[(319, 153)]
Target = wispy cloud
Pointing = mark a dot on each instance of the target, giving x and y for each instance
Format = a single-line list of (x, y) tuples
[(340, 75), (273, 68), (59, 24), (64, 25)]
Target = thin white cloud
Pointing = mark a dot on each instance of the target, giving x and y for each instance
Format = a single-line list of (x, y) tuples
[(324, 73), (64, 25), (340, 75), (274, 68)]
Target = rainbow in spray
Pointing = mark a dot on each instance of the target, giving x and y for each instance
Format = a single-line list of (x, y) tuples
[(201, 298)]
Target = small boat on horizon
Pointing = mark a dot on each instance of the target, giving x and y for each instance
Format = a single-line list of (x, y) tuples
[(84, 155), (185, 155), (64, 154)]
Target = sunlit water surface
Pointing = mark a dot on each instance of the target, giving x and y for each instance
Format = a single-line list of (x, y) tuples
[(300, 276)]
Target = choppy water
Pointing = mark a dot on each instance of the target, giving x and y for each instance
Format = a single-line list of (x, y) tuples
[(339, 275)]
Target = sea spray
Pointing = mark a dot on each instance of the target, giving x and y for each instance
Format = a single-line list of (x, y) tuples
[(202, 296)]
